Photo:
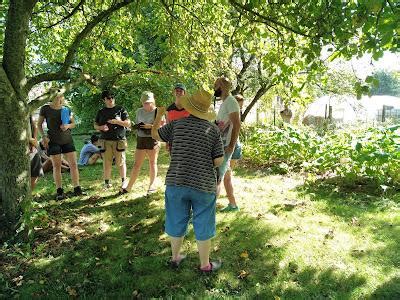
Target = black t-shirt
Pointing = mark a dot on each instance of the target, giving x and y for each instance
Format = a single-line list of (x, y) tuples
[(115, 132), (53, 120)]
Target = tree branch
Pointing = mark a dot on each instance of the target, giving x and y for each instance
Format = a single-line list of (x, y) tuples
[(267, 20), (72, 49), (67, 16), (261, 91)]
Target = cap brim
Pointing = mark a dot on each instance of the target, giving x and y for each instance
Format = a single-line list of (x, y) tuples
[(209, 116)]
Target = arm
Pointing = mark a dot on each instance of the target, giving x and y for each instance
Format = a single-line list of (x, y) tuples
[(235, 119), (125, 123), (45, 138), (218, 161), (157, 122), (70, 125)]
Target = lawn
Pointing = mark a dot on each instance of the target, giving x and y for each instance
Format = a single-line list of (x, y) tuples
[(292, 239)]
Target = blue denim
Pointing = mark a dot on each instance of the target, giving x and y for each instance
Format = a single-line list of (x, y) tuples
[(179, 202), (224, 167), (237, 153)]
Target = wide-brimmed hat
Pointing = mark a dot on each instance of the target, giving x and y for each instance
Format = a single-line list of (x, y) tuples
[(147, 97), (199, 104)]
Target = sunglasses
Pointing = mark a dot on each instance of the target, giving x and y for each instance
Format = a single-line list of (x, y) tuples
[(110, 97)]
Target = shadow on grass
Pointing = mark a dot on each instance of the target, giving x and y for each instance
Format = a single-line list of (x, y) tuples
[(128, 258)]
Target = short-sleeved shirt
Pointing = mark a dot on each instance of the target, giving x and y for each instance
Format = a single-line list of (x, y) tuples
[(53, 120), (87, 151), (174, 113), (115, 132), (195, 145), (225, 125), (146, 117)]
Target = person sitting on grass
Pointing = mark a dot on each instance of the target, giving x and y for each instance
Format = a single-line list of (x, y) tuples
[(191, 181), (90, 152)]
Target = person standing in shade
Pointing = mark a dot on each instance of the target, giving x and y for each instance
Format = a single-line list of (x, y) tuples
[(175, 111), (191, 180), (57, 141), (228, 120), (112, 122), (146, 145), (236, 155)]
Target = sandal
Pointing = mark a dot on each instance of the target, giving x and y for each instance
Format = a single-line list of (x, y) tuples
[(176, 264), (214, 266)]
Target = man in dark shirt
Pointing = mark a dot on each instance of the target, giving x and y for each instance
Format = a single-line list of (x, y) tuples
[(112, 121), (191, 181)]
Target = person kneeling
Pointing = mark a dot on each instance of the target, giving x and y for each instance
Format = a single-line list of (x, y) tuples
[(90, 152)]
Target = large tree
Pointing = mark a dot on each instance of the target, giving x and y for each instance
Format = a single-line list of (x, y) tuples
[(70, 41)]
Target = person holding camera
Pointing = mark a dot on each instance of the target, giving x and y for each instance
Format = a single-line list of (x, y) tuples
[(146, 145), (112, 121)]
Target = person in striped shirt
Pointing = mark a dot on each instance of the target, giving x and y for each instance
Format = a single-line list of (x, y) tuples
[(191, 181)]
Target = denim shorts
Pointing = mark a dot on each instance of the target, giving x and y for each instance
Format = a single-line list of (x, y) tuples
[(179, 202), (237, 153), (225, 166)]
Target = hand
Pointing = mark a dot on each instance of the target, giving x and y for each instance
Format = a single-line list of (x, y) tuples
[(113, 121), (229, 149), (45, 142), (104, 128), (64, 127), (161, 110), (146, 126)]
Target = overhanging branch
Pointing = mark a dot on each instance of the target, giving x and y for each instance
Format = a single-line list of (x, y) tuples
[(72, 49), (267, 20)]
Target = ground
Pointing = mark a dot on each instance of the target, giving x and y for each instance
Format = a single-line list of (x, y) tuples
[(292, 239)]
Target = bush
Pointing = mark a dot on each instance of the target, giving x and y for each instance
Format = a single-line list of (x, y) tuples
[(354, 154)]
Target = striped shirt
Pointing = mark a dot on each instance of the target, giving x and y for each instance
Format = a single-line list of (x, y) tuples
[(195, 144)]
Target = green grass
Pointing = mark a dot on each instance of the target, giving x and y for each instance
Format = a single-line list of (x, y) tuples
[(291, 239)]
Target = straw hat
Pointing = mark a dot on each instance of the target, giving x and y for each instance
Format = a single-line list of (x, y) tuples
[(198, 105)]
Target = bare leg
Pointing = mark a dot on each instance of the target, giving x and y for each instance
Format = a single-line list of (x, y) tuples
[(140, 155), (56, 162), (152, 155), (204, 252), (73, 166), (176, 244), (33, 182), (229, 188), (107, 164), (122, 166), (93, 159)]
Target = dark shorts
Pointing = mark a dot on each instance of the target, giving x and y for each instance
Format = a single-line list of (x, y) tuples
[(36, 166), (146, 143), (55, 149)]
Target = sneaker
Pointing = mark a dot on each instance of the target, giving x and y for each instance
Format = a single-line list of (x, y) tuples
[(151, 191), (60, 196), (123, 191), (78, 191), (230, 208), (214, 266), (107, 186), (176, 264)]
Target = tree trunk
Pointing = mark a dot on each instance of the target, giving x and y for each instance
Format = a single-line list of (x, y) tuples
[(14, 158)]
